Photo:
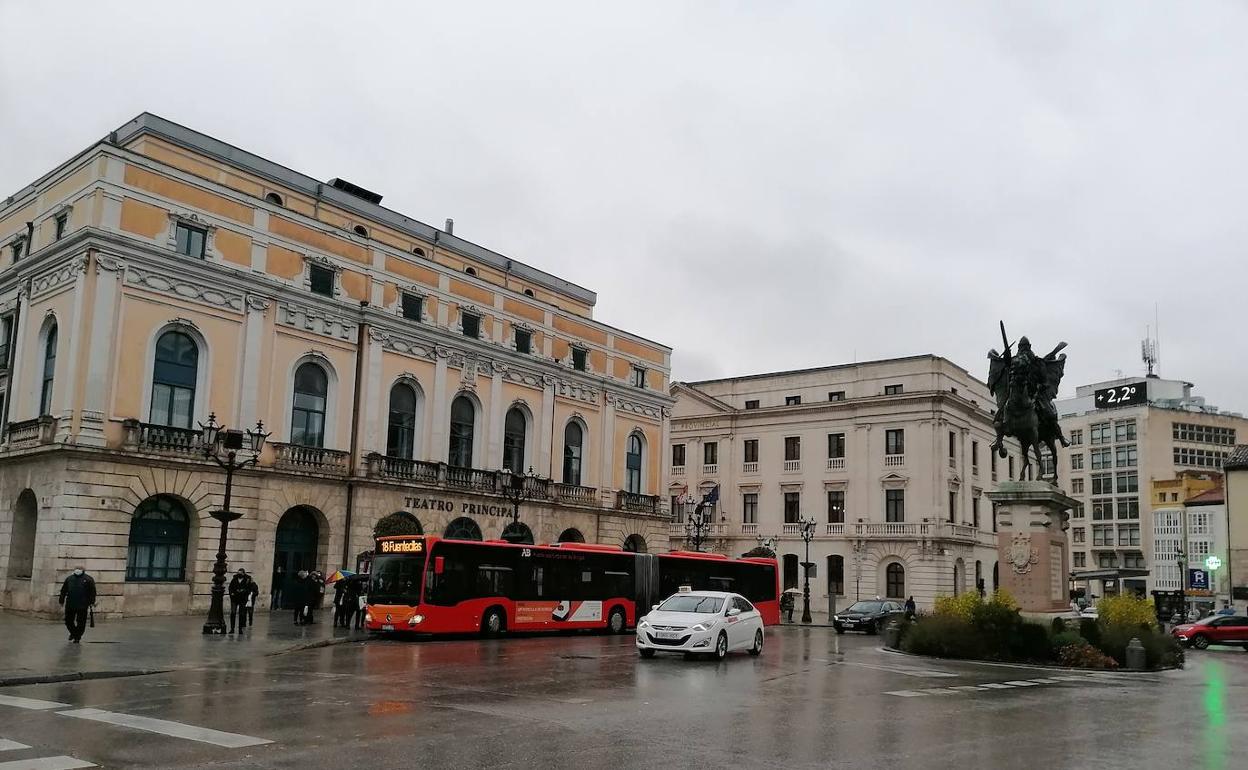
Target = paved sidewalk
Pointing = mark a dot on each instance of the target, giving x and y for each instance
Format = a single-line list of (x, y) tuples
[(37, 649)]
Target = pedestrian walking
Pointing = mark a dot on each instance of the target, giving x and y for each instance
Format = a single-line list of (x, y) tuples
[(911, 608), (786, 606), (341, 603), (277, 588), (78, 598), (302, 595), (359, 585), (318, 598), (242, 591)]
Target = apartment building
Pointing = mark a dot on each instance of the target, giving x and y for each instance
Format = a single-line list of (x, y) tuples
[(162, 276)]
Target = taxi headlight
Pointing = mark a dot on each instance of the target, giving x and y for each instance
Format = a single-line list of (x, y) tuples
[(642, 623), (701, 627)]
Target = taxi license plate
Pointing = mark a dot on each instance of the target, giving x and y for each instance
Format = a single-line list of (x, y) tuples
[(666, 635), (387, 627)]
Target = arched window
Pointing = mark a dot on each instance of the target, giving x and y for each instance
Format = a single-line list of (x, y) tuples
[(790, 570), (49, 371), (632, 465), (470, 270), (158, 534), (273, 198), (462, 528), (836, 575), (173, 380), (25, 529), (307, 419), (361, 230), (573, 439), (398, 523), (529, 293), (895, 581), (518, 532), (401, 434), (418, 251), (635, 544), (463, 422), (513, 440), (571, 535)]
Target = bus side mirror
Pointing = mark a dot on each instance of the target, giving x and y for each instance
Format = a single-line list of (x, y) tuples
[(438, 565)]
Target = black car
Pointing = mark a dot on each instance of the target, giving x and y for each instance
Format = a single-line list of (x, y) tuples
[(868, 616)]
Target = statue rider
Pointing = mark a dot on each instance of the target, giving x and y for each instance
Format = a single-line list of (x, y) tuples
[(1041, 377)]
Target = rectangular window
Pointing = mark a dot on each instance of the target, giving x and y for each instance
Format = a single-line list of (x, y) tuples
[(792, 400), (836, 445), (413, 306), (1077, 534), (1101, 459), (894, 505), (191, 240), (1076, 461), (710, 453), (1124, 431), (1129, 534), (751, 450), (1128, 508), (975, 511), (1102, 510), (792, 507), (836, 506), (1076, 437), (6, 339), (1128, 482), (1103, 535), (1107, 560), (678, 455), (792, 448), (1133, 560), (953, 507), (975, 456), (749, 508), (1081, 559), (836, 395), (1102, 484), (524, 341), (471, 324), (1125, 456), (1101, 433), (579, 357), (751, 404), (321, 280), (953, 445), (895, 441), (62, 224), (18, 247), (639, 377), (1076, 486), (892, 390)]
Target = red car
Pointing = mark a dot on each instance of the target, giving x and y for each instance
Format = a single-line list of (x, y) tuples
[(1215, 629)]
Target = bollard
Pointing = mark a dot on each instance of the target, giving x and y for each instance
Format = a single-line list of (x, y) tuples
[(1135, 655), (892, 635)]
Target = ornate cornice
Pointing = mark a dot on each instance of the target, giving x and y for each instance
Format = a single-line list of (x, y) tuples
[(316, 321), (48, 282), (184, 288)]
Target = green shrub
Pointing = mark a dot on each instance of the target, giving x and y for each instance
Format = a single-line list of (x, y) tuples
[(999, 626), (1065, 639), (1003, 598), (1058, 626), (1091, 631), (1126, 610), (1030, 642), (943, 636), (1084, 655), (1160, 649), (961, 606)]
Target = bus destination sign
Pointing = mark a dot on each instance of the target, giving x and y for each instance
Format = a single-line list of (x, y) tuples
[(411, 545), (1130, 394)]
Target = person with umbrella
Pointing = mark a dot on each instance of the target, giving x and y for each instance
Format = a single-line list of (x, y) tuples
[(787, 600), (341, 582)]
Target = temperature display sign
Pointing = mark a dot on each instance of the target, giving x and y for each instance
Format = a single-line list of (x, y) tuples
[(1121, 395)]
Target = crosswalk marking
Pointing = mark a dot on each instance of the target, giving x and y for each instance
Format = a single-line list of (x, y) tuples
[(906, 693), (907, 670), (1021, 683), (30, 703), (998, 686), (165, 727), (8, 745), (46, 763), (1096, 678)]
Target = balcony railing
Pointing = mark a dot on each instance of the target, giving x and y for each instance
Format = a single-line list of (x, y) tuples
[(792, 465), (891, 529), (894, 461), (678, 470), (835, 528), (749, 467), (162, 439), (836, 463), (571, 493), (403, 469), (791, 529), (676, 530), (471, 478), (311, 459), (28, 433), (750, 528), (635, 503), (963, 531), (710, 469)]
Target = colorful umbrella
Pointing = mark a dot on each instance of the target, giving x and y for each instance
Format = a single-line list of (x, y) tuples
[(341, 574)]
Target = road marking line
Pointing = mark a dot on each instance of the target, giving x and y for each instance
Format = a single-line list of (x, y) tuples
[(908, 671), (1069, 678), (905, 693), (967, 687), (1047, 681), (8, 745), (46, 763), (1021, 683), (30, 703), (940, 691), (165, 727), (997, 686)]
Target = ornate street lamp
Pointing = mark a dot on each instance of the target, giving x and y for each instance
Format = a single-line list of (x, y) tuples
[(698, 525), (808, 533), (516, 489), (222, 447)]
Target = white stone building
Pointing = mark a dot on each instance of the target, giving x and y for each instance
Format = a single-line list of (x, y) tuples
[(891, 459)]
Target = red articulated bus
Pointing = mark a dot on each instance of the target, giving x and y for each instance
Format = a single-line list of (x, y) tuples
[(432, 585)]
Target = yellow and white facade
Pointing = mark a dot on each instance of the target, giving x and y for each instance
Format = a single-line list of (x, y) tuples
[(161, 276)]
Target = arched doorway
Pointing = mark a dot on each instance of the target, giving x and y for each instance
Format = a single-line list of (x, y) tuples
[(895, 581), (22, 545), (462, 528), (298, 535), (635, 544), (959, 576), (790, 570), (398, 523), (518, 532), (571, 535)]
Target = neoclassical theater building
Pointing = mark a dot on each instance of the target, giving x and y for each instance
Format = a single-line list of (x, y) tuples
[(162, 275)]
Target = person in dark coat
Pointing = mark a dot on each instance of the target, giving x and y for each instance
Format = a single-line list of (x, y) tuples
[(242, 591), (358, 588), (275, 590), (78, 597), (342, 597), (911, 608), (303, 595)]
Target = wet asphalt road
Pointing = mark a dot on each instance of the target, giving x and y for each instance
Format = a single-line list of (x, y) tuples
[(812, 700)]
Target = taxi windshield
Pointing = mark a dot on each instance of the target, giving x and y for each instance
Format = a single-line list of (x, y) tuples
[(703, 605)]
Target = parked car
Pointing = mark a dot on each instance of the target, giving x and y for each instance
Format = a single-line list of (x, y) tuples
[(868, 616), (1215, 629), (708, 622)]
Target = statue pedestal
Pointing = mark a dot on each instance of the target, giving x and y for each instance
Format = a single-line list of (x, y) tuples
[(1031, 543)]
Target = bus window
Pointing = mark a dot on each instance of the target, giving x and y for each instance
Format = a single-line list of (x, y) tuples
[(396, 580)]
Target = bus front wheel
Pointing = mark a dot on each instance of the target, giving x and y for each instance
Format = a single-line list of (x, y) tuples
[(493, 623), (615, 621)]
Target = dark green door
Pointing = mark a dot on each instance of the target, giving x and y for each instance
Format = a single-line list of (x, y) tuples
[(295, 549)]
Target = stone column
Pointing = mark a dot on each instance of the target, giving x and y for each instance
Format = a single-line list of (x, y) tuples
[(376, 399), (108, 273), (1031, 543), (438, 448), (64, 389), (494, 425), (253, 361), (546, 437)]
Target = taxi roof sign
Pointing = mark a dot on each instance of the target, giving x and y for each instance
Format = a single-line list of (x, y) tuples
[(684, 589)]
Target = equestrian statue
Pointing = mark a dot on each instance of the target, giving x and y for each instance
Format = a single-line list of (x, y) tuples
[(1024, 386)]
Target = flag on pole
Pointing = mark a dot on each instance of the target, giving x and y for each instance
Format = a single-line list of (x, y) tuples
[(712, 497)]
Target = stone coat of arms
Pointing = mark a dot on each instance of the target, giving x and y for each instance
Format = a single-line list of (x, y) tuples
[(1022, 554)]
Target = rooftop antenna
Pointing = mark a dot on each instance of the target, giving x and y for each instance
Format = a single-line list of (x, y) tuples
[(1156, 339), (1148, 352)]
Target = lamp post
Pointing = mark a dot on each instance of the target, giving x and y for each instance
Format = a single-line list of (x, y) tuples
[(222, 447), (698, 525), (516, 489), (808, 532)]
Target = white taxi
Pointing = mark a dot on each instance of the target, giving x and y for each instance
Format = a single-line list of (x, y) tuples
[(709, 622)]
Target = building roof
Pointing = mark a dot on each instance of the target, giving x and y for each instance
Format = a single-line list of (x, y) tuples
[(1215, 496), (834, 367), (1238, 460)]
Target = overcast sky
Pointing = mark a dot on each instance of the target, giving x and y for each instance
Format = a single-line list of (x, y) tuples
[(761, 186)]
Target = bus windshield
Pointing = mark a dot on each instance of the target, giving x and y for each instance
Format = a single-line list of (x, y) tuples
[(396, 579)]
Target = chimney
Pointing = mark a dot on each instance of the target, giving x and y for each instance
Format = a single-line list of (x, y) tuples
[(450, 226)]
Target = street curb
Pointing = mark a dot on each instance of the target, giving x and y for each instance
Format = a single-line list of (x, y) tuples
[(1042, 666), (317, 645), (76, 676)]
